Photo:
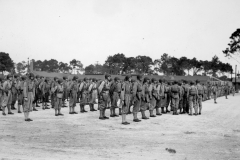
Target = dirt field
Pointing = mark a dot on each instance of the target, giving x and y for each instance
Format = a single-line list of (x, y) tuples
[(213, 135)]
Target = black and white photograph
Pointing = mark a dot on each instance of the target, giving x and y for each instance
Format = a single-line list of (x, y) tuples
[(119, 79)]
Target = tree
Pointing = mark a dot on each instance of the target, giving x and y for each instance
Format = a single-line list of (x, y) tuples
[(90, 69), (21, 67), (76, 65), (185, 64), (116, 63), (63, 67), (163, 64), (215, 66), (234, 45), (196, 65), (37, 65), (129, 65), (143, 64), (6, 63)]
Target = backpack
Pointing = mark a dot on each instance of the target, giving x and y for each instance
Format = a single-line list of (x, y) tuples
[(192, 91), (174, 89)]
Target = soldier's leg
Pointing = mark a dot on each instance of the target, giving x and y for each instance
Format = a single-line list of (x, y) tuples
[(158, 107), (200, 105), (9, 102), (195, 104), (136, 108), (190, 105)]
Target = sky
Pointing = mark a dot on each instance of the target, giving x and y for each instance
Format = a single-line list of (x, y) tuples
[(91, 30)]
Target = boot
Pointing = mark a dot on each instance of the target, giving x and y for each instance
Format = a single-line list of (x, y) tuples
[(13, 107), (163, 112), (135, 119), (151, 114), (81, 109), (143, 115)]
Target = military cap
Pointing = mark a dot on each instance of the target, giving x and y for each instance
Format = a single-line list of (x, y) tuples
[(59, 81), (127, 77), (85, 78)]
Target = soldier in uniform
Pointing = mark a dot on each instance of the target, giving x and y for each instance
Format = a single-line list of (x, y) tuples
[(126, 89), (215, 90), (14, 92), (233, 90), (226, 90), (137, 97), (153, 95), (29, 95), (53, 92), (103, 91), (92, 94), (84, 94), (181, 94), (168, 96), (205, 91), (1, 93), (161, 100), (20, 87), (115, 90), (37, 94), (131, 98), (59, 95), (45, 93), (185, 98), (199, 98), (145, 97), (192, 97), (73, 89), (64, 91), (7, 96), (175, 93)]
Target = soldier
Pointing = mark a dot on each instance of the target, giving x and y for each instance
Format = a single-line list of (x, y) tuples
[(7, 97), (73, 89), (14, 92), (45, 93), (168, 96), (226, 90), (92, 94), (37, 94), (153, 94), (1, 93), (185, 98), (131, 96), (175, 93), (199, 98), (65, 95), (137, 97), (115, 90), (29, 95), (59, 94), (53, 92), (215, 90), (181, 94), (126, 89), (233, 90), (209, 91), (83, 90), (20, 87), (103, 91), (145, 98), (205, 91), (192, 94), (161, 100)]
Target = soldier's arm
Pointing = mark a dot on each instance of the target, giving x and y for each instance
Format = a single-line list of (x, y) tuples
[(90, 87), (80, 87), (134, 89), (25, 89), (101, 87), (122, 91)]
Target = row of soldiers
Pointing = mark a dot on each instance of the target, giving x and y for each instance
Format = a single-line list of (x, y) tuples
[(141, 94)]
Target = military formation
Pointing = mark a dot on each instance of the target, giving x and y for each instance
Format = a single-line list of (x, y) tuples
[(129, 95)]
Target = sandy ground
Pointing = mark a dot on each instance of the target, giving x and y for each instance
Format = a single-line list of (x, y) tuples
[(213, 135)]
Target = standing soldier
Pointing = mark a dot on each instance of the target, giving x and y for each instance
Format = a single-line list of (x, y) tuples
[(192, 94), (45, 93), (226, 90), (53, 92), (64, 91), (83, 90), (161, 101), (14, 92), (131, 98), (215, 90), (103, 91), (20, 87), (59, 94), (153, 94), (181, 94), (1, 93), (92, 94), (199, 98), (168, 96), (73, 89), (126, 98), (137, 97), (205, 91), (233, 90), (175, 92), (115, 90), (185, 97), (35, 102), (145, 98), (29, 95), (7, 97)]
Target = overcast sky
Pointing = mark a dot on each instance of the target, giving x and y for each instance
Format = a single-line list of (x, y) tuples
[(91, 30)]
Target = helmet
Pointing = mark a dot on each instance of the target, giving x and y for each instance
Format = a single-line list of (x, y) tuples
[(64, 77), (127, 77), (153, 80), (139, 76), (23, 78), (37, 76), (8, 76), (55, 78), (85, 78), (116, 78), (59, 80), (74, 78), (160, 80), (197, 81)]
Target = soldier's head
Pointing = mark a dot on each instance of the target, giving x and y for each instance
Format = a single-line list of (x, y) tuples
[(180, 83), (94, 80), (117, 79), (160, 80), (74, 78), (146, 80), (60, 81), (37, 77), (55, 78), (31, 76), (23, 78), (9, 77), (108, 77), (127, 78), (85, 79), (197, 81), (164, 80), (154, 80), (175, 82), (192, 83), (65, 78), (139, 77)]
